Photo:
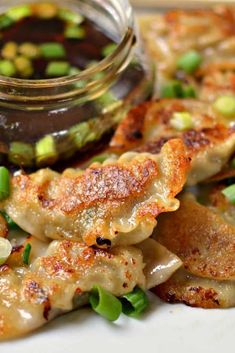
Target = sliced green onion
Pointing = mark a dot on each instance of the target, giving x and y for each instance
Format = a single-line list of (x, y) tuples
[(19, 12), (109, 49), (21, 153), (189, 92), (10, 223), (107, 99), (30, 50), (26, 254), (229, 193), (134, 303), (105, 304), (4, 183), (45, 151), (72, 32), (181, 121), (7, 68), (52, 50), (24, 66), (190, 61), (75, 71), (5, 250), (45, 10), (70, 16), (172, 89), (58, 69), (100, 158), (9, 50), (225, 105), (79, 133), (5, 21)]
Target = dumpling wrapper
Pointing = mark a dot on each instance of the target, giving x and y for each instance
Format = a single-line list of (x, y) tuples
[(209, 143), (160, 263), (201, 237), (109, 204), (208, 31), (59, 279), (183, 287)]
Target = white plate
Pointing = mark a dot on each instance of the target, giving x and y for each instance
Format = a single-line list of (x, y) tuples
[(164, 329)]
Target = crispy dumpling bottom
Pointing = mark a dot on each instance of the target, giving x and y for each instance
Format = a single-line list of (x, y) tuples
[(204, 239)]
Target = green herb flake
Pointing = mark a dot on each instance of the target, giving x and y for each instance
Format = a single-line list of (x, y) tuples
[(52, 50), (26, 254)]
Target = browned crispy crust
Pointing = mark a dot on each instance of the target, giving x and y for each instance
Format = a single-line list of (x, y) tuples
[(201, 238), (182, 287), (3, 227), (133, 132), (137, 129), (88, 205)]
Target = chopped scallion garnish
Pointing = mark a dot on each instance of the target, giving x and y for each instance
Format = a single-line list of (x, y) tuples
[(229, 193), (134, 303), (105, 304), (58, 69), (72, 32), (172, 89), (190, 61), (109, 49), (70, 16), (181, 121), (225, 105), (10, 223), (19, 12), (26, 254), (5, 21), (7, 68), (4, 183), (24, 66), (45, 10), (189, 92), (45, 151), (9, 50), (21, 153), (79, 133), (100, 158), (30, 50), (5, 250), (52, 50)]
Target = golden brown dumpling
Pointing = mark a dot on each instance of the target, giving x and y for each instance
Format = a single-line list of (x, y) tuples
[(59, 281), (210, 141), (105, 205)]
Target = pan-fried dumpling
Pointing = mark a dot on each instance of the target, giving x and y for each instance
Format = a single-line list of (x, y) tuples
[(183, 287), (59, 281), (160, 263), (203, 237), (210, 140), (208, 31), (105, 205)]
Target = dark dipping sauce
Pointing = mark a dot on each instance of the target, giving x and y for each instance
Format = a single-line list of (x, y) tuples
[(37, 44), (78, 52)]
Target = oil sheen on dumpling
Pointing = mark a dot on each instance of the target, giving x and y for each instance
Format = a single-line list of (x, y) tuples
[(203, 237), (210, 141), (59, 281), (110, 204)]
